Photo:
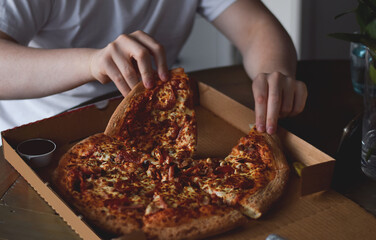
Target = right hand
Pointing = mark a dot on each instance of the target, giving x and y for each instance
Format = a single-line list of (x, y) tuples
[(127, 59), (276, 96)]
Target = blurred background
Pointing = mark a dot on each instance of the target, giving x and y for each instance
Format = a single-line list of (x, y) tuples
[(307, 21)]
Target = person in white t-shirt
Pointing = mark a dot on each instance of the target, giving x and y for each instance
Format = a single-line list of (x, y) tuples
[(56, 54)]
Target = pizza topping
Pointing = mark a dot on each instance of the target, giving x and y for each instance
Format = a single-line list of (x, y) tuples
[(184, 163), (171, 173), (165, 98), (127, 157), (173, 131), (89, 171), (188, 103), (124, 187), (223, 170), (74, 180), (159, 154), (239, 182), (161, 202), (116, 202)]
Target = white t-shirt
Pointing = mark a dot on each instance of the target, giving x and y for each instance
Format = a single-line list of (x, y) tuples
[(92, 24)]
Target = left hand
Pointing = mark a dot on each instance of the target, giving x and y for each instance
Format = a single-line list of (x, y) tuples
[(276, 95)]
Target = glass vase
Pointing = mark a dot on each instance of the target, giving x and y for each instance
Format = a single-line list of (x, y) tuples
[(368, 154), (357, 66)]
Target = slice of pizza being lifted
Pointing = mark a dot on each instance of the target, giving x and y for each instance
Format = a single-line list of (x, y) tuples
[(159, 121)]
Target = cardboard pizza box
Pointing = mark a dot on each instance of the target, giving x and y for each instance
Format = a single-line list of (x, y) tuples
[(221, 123)]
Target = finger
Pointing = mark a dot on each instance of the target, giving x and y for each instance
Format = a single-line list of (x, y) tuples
[(300, 98), (115, 75), (143, 59), (274, 102), (133, 50), (288, 91), (156, 50), (125, 67), (260, 94)]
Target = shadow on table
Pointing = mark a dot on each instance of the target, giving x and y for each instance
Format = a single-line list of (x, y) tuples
[(348, 178)]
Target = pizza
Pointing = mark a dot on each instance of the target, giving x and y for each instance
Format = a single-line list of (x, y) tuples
[(140, 176)]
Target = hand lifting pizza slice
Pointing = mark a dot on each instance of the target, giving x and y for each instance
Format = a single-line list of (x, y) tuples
[(139, 174)]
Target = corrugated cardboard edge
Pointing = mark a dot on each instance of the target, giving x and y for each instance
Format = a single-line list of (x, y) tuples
[(46, 128), (319, 167), (83, 230)]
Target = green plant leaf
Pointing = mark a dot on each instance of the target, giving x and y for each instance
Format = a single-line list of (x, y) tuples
[(371, 4), (372, 75), (364, 15), (370, 29)]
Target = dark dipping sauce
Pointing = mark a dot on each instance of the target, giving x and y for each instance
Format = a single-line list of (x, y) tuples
[(36, 147)]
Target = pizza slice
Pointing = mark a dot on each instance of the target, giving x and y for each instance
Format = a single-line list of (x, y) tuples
[(251, 177), (159, 121), (259, 156)]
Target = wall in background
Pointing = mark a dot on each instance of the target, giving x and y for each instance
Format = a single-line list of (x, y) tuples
[(310, 21), (318, 21), (307, 21)]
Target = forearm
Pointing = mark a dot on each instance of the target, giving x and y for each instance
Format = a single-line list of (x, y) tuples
[(260, 38), (269, 58), (269, 50), (29, 73)]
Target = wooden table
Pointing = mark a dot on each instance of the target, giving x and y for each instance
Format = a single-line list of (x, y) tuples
[(330, 106)]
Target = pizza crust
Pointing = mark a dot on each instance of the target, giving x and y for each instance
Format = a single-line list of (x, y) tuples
[(255, 204), (222, 220), (111, 224), (117, 119), (126, 223), (280, 162)]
